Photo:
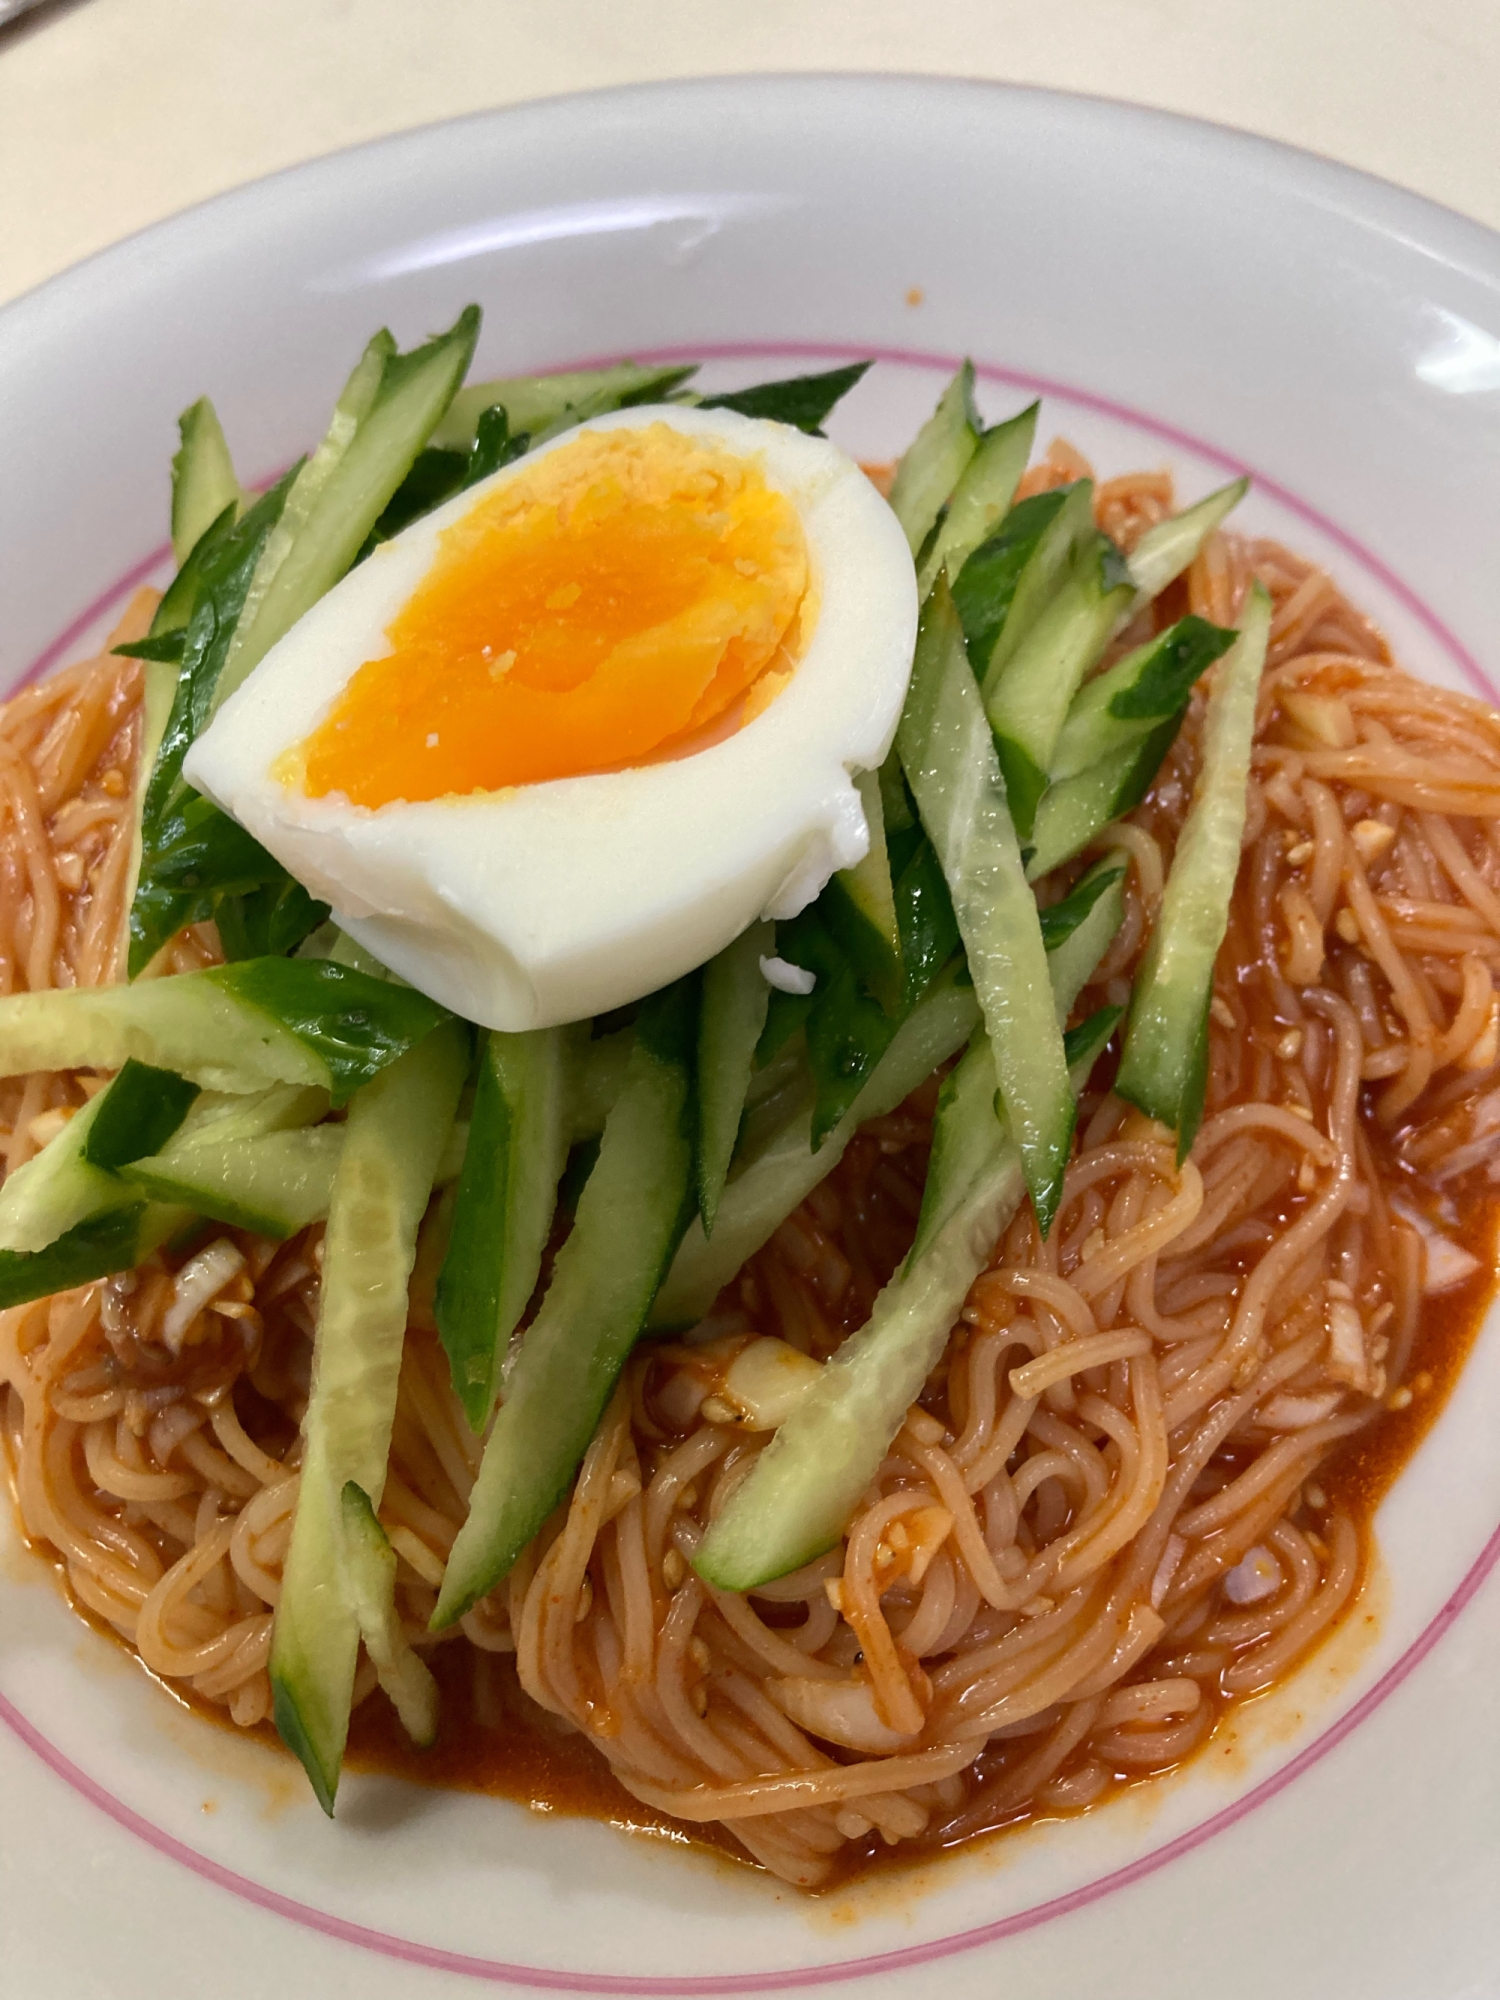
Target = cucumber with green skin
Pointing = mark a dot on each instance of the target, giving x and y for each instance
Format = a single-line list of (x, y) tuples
[(1061, 919), (179, 877), (1164, 1062), (797, 1500), (369, 1578), (1165, 551), (782, 1168), (1010, 579), (393, 1140), (70, 1179), (1073, 811), (1078, 940), (859, 906), (803, 401), (936, 459), (1028, 696), (1120, 707), (981, 499), (948, 754), (235, 1028), (115, 1239), (385, 414), (968, 1109), (732, 1014), (507, 1192), (630, 1219), (203, 478), (542, 405), (274, 1184)]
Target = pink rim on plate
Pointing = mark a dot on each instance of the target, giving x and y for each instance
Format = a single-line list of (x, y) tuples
[(500, 1972)]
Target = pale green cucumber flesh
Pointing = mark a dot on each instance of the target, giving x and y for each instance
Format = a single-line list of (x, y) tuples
[(369, 1572), (935, 460), (1166, 550), (1119, 708), (1073, 812), (860, 906), (949, 758), (186, 1023), (383, 418), (539, 405), (1162, 1065), (626, 1228), (982, 497), (275, 1184), (203, 480), (731, 1016), (1011, 579), (393, 1140), (507, 1192), (1028, 700)]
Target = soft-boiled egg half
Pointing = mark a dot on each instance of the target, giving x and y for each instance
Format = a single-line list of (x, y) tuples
[(564, 738)]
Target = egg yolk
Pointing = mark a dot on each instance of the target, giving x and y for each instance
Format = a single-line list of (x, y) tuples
[(623, 599)]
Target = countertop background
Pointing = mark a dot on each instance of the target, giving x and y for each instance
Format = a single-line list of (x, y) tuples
[(114, 113)]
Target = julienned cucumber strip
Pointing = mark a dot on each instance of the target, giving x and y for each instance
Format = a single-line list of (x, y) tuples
[(949, 758), (961, 1138), (136, 1113), (1073, 958), (936, 459), (70, 1179), (732, 1014), (234, 1028), (1010, 579), (117, 1239), (1075, 809), (1118, 708), (802, 400), (544, 404), (203, 479), (768, 1186), (981, 498), (507, 1192), (275, 1184), (1028, 697), (393, 1138), (369, 1575), (173, 887), (381, 421), (1163, 1066), (1063, 918), (859, 905), (1166, 550), (806, 1484), (630, 1218)]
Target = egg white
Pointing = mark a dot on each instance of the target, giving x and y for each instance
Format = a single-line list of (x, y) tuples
[(551, 902)]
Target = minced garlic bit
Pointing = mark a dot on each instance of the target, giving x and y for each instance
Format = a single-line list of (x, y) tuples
[(1371, 838), (787, 978)]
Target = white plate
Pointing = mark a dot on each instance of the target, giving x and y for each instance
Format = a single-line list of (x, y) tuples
[(1182, 296)]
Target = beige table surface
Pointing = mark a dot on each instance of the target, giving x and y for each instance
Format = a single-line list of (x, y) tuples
[(114, 113)]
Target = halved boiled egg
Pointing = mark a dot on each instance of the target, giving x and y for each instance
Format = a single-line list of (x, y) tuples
[(564, 738)]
